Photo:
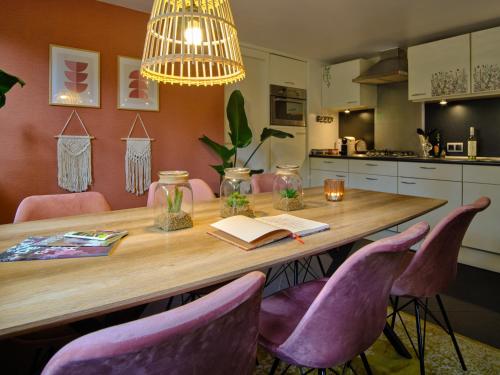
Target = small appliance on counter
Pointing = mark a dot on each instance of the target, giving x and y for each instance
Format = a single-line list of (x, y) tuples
[(346, 145)]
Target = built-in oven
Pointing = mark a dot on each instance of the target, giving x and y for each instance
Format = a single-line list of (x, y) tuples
[(288, 106)]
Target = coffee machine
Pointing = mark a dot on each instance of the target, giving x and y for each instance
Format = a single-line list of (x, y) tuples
[(346, 146)]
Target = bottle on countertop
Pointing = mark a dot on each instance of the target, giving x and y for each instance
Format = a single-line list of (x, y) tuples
[(472, 144)]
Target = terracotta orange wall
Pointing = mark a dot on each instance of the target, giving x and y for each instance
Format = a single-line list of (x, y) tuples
[(28, 162)]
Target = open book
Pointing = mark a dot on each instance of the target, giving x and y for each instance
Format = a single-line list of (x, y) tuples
[(248, 233)]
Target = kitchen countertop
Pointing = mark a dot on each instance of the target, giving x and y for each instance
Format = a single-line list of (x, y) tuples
[(495, 161)]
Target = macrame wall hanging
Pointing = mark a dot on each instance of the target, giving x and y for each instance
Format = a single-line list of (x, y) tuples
[(74, 166), (138, 161)]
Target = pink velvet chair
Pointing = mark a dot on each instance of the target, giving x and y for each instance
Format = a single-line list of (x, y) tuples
[(38, 207), (327, 322), (433, 268), (216, 334), (262, 183), (201, 191)]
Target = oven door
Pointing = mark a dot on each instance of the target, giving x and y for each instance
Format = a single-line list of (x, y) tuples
[(288, 111)]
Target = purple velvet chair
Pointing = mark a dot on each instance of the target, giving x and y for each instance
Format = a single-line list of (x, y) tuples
[(38, 207), (327, 322), (216, 334), (433, 268), (262, 183)]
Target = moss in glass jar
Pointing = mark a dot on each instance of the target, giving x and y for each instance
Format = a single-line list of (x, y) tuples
[(289, 200), (174, 218), (237, 204)]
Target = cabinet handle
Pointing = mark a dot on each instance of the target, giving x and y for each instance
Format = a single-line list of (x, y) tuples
[(339, 175), (408, 183), (371, 179), (419, 94), (289, 83), (428, 168), (352, 102), (329, 162), (371, 165)]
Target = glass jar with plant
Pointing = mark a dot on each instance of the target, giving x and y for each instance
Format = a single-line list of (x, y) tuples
[(236, 196), (287, 188), (173, 207)]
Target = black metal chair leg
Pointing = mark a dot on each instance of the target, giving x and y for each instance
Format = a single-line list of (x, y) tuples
[(394, 311), (419, 338), (366, 365), (321, 371), (450, 331), (274, 366)]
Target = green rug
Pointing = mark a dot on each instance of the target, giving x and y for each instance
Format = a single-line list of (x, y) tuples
[(440, 356)]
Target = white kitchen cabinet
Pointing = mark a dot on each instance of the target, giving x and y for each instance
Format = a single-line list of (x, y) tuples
[(318, 177), (384, 184), (378, 167), (340, 93), (285, 71), (439, 69), (483, 232), (447, 190), (431, 171), (330, 164), (485, 60)]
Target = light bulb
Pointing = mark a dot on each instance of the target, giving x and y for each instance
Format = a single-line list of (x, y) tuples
[(347, 111), (193, 34), (443, 102)]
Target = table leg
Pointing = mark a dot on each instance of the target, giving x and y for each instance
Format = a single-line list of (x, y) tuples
[(338, 255)]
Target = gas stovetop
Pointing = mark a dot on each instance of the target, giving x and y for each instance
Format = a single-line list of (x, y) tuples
[(391, 154)]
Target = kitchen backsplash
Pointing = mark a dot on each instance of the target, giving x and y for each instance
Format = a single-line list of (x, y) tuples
[(358, 124), (454, 120)]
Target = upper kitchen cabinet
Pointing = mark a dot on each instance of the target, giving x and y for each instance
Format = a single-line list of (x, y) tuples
[(485, 60), (285, 71), (439, 69), (339, 92)]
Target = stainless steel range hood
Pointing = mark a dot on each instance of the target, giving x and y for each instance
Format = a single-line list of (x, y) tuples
[(392, 67)]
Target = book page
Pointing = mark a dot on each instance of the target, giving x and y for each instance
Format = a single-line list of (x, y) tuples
[(297, 225), (244, 228)]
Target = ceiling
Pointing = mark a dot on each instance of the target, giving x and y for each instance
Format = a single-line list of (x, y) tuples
[(336, 30)]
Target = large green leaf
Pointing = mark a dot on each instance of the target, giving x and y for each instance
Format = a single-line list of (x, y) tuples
[(224, 153), (268, 132), (6, 83), (239, 131), (220, 168)]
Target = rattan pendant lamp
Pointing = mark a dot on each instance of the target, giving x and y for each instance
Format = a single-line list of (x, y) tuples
[(192, 42)]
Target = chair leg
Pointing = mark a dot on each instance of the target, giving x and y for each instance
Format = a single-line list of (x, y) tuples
[(394, 311), (321, 371), (274, 366), (366, 365), (419, 338), (450, 331)]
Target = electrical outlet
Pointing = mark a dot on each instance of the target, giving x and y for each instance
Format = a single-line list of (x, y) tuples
[(454, 147)]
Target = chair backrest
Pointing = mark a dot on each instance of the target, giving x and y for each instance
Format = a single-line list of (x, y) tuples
[(201, 192), (216, 334), (434, 265), (262, 183), (349, 313), (38, 207)]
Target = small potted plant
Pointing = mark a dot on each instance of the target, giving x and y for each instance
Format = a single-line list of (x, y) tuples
[(237, 204), (174, 218), (289, 200)]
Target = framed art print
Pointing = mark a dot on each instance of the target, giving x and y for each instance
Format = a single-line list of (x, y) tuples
[(74, 77), (134, 91)]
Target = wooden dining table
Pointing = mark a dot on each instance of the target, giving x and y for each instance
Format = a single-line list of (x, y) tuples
[(150, 265)]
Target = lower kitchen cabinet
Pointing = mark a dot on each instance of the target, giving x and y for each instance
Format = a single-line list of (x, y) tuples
[(318, 177), (448, 190), (484, 231), (385, 184)]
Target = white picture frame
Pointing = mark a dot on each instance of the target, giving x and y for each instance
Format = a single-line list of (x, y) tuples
[(74, 77), (135, 92)]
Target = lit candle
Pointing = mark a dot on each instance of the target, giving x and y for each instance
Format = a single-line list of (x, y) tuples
[(334, 190)]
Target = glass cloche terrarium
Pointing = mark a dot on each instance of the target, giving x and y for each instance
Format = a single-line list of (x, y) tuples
[(287, 188), (173, 206), (236, 197)]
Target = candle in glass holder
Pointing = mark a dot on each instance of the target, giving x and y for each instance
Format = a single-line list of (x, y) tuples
[(334, 190)]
